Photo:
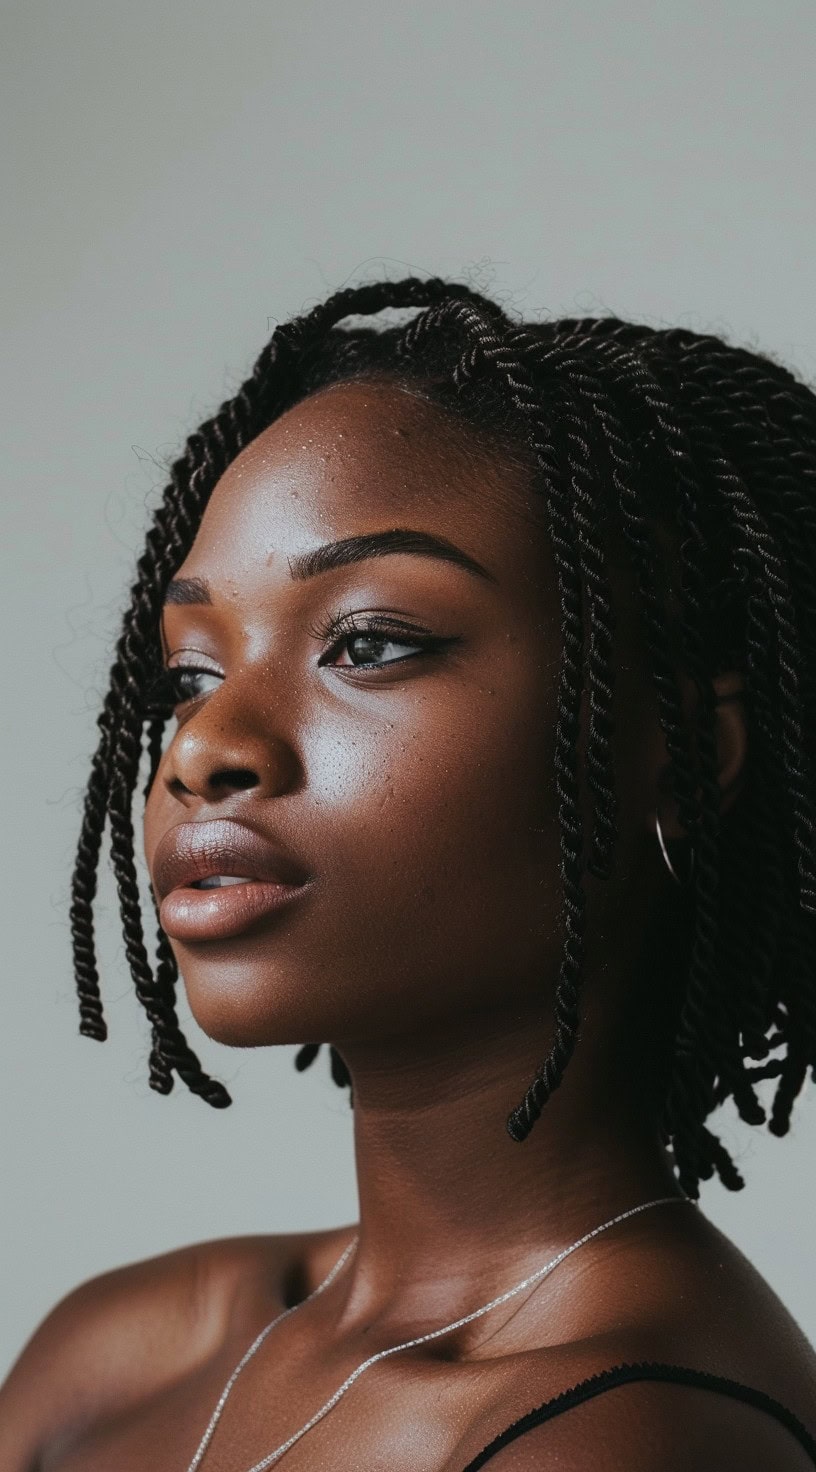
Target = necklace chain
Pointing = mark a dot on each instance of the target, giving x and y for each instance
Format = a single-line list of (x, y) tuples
[(267, 1461)]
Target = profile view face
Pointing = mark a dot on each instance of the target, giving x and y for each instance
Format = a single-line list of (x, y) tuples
[(387, 721), (387, 726)]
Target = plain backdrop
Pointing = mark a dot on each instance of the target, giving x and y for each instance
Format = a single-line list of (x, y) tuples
[(180, 176)]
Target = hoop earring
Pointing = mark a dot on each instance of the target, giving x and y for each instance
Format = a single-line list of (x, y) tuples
[(663, 785), (675, 876)]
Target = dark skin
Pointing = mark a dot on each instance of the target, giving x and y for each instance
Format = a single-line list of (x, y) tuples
[(420, 795)]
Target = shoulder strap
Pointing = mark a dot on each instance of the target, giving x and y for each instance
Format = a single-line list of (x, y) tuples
[(644, 1370)]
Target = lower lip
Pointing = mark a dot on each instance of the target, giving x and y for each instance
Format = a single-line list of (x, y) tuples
[(216, 914)]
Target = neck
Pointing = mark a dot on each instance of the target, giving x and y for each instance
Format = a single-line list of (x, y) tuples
[(452, 1210)]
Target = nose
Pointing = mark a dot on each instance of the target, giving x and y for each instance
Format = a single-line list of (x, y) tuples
[(218, 752)]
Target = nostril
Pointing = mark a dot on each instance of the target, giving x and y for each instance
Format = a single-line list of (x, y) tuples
[(239, 778), (213, 784)]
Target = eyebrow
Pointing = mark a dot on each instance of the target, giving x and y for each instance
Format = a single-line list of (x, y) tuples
[(341, 554)]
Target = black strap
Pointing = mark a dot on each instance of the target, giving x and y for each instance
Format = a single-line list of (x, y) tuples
[(644, 1370)]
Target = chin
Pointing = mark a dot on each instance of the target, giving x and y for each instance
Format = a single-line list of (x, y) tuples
[(229, 1006), (230, 1028), (244, 1004), (239, 1020)]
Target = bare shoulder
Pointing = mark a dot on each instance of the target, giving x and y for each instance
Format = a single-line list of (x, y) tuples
[(658, 1427), (111, 1338), (120, 1337), (719, 1314), (681, 1295), (680, 1291)]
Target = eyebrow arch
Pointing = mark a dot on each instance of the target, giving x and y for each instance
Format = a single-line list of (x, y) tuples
[(341, 554)]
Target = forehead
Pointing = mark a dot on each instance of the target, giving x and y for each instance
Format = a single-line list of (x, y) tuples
[(362, 457)]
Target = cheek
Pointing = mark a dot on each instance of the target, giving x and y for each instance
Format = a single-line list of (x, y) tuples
[(461, 778), (441, 873)]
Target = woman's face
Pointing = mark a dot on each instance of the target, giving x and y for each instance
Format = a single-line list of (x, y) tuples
[(416, 794)]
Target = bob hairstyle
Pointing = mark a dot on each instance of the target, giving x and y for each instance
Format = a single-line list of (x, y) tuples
[(699, 458)]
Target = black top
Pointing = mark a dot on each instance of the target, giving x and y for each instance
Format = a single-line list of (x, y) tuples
[(644, 1370)]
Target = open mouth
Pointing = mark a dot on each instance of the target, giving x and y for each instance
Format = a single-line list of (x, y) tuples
[(220, 881), (220, 906)]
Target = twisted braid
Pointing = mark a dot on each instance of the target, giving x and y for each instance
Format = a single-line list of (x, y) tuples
[(703, 457), (778, 546), (781, 542), (487, 351), (702, 1036), (623, 473)]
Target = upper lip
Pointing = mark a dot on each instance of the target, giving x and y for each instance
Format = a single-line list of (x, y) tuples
[(192, 851)]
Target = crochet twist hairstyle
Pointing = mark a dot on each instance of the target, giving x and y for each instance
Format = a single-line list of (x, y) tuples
[(672, 440)]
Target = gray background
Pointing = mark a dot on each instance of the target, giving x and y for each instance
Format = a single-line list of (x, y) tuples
[(178, 176)]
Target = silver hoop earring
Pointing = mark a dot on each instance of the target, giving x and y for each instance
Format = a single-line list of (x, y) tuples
[(675, 876)]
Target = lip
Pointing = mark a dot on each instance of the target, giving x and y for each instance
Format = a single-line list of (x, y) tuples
[(195, 851), (216, 914)]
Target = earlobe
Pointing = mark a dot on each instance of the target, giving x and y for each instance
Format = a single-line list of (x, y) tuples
[(732, 751), (732, 737)]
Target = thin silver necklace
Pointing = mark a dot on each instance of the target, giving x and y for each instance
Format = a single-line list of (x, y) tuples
[(395, 1349)]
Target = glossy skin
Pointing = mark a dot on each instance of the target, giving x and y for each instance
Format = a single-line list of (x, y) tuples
[(420, 796)]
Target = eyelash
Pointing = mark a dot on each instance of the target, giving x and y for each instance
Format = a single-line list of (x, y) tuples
[(377, 625), (167, 689)]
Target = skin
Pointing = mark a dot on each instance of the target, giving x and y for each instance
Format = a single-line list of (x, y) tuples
[(421, 797)]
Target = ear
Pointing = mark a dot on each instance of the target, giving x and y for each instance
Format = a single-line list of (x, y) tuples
[(732, 748)]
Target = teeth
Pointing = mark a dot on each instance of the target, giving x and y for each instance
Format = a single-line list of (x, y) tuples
[(220, 881)]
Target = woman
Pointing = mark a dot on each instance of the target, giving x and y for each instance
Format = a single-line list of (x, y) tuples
[(489, 650)]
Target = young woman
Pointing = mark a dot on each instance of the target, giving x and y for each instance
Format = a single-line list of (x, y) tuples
[(488, 654)]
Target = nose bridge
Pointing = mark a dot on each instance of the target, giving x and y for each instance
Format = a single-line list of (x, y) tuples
[(240, 737)]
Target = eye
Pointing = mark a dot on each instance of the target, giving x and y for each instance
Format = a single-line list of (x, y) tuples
[(370, 638), (178, 684), (370, 645)]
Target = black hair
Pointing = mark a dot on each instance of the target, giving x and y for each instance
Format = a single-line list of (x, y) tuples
[(700, 457)]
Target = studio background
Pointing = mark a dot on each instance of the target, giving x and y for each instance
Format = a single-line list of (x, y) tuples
[(180, 177)]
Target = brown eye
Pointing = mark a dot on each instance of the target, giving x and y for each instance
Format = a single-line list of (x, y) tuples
[(370, 636), (370, 644), (177, 685)]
